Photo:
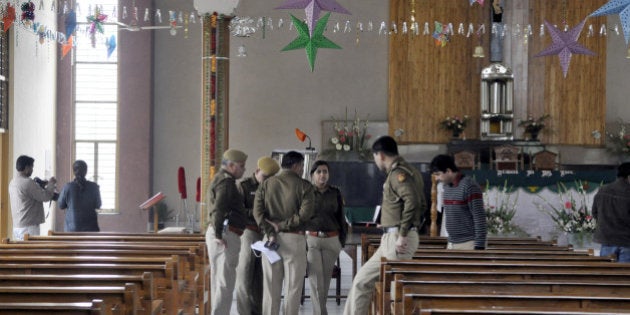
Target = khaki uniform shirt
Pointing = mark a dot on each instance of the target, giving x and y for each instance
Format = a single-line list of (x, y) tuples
[(247, 187), (329, 214), (403, 197), (224, 199), (286, 199)]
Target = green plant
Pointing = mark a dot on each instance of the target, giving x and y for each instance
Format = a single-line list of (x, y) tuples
[(571, 212), (534, 125), (619, 140), (500, 209)]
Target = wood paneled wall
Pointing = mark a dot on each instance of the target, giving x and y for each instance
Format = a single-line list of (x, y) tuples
[(428, 83), (577, 103)]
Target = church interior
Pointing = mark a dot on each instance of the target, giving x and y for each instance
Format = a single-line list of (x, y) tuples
[(528, 95)]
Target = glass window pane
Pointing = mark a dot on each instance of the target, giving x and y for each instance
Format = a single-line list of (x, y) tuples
[(107, 174), (96, 82), (96, 121)]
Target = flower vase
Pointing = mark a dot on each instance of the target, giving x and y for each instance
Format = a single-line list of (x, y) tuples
[(534, 135), (456, 134), (347, 156), (583, 240)]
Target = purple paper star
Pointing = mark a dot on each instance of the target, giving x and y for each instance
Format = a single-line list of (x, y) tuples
[(565, 44), (621, 7), (313, 8)]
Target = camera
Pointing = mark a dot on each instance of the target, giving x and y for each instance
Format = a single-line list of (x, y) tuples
[(42, 183)]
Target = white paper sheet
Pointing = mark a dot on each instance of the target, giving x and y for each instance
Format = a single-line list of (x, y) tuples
[(272, 255)]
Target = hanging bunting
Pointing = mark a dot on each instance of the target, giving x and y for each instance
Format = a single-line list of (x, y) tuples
[(313, 9), (111, 45), (621, 7), (441, 34), (565, 45), (70, 22), (65, 48), (28, 13), (96, 24), (311, 44)]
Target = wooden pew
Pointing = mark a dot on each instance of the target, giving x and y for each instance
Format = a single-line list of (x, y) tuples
[(146, 241), (569, 287), (518, 311), (121, 298), (163, 275), (389, 269), (413, 303), (95, 307)]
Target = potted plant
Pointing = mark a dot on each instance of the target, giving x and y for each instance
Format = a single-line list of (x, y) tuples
[(455, 124), (533, 126)]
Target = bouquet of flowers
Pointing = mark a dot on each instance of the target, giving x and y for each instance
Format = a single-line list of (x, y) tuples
[(455, 123), (500, 210), (619, 141), (571, 213), (532, 125), (351, 136)]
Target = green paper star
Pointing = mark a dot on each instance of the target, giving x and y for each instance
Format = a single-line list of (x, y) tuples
[(311, 44)]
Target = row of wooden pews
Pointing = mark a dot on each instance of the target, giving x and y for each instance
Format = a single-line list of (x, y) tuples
[(527, 277), (106, 273)]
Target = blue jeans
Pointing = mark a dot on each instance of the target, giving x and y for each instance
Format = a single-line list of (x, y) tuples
[(621, 253)]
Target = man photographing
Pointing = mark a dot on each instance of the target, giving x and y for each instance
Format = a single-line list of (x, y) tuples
[(27, 197)]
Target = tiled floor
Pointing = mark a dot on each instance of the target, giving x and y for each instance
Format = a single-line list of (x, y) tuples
[(333, 308)]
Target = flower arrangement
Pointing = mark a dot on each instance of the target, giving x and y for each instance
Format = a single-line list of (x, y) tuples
[(571, 213), (619, 141), (532, 125), (455, 124), (500, 210), (351, 136)]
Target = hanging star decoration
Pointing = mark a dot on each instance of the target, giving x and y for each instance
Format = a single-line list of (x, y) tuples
[(621, 7), (65, 48), (96, 24), (441, 34), (111, 45), (313, 8), (9, 17), (28, 13), (565, 45), (70, 22), (311, 43), (478, 1)]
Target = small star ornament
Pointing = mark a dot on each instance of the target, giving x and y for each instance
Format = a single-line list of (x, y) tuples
[(311, 43), (478, 1), (621, 7), (565, 45), (313, 9)]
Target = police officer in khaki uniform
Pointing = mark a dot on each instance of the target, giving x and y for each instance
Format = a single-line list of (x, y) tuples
[(249, 276), (401, 210), (325, 235), (283, 204), (223, 235)]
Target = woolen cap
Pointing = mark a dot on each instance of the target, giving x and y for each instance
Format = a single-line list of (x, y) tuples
[(268, 166), (234, 156)]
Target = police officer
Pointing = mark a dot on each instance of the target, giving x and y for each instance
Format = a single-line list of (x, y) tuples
[(223, 235), (249, 277), (402, 207), (283, 204)]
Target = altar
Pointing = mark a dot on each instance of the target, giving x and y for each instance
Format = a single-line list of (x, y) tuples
[(361, 184)]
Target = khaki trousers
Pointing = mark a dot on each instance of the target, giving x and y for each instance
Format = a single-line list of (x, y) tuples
[(321, 257), (290, 270), (358, 301), (249, 276), (223, 262)]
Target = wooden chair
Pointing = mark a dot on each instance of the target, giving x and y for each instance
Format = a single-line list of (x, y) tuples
[(507, 157), (544, 160), (466, 160)]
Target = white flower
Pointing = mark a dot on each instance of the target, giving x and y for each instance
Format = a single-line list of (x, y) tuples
[(346, 147), (338, 146), (334, 140)]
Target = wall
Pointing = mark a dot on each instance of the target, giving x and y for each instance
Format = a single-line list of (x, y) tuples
[(32, 108)]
